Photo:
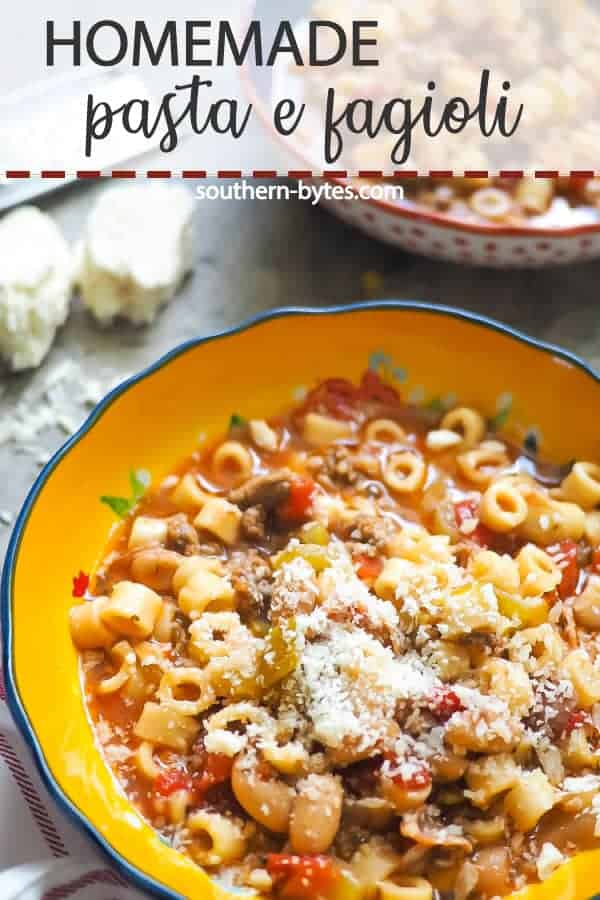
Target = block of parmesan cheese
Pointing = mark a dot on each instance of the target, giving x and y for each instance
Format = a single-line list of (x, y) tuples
[(36, 271), (136, 251)]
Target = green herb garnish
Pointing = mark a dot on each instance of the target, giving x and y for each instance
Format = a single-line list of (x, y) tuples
[(122, 506), (237, 421)]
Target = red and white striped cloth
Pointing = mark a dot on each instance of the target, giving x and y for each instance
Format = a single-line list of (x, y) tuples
[(42, 856)]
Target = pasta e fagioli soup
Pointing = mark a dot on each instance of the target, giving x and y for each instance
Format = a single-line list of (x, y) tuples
[(352, 652)]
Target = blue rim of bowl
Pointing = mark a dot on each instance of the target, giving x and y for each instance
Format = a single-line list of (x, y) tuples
[(135, 875)]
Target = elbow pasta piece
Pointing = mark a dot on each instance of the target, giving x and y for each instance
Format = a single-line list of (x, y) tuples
[(147, 532), (449, 660), (416, 544), (578, 753), (188, 680), (216, 839), (538, 571), (220, 518), (404, 798), (537, 648), (177, 806), (163, 627), (510, 682), (529, 799), (489, 777), (491, 203), (484, 463), (373, 862), (586, 607), (287, 759), (233, 462), (263, 435), (316, 814), (216, 634), (582, 485), (155, 567), (132, 610), (144, 761), (267, 800), (123, 654), (321, 430), (467, 423), (492, 568), (405, 473), (405, 887), (188, 495), (191, 565), (165, 726), (549, 521), (584, 676), (486, 831), (88, 631), (384, 431), (502, 507), (534, 195), (244, 713), (592, 528), (200, 589)]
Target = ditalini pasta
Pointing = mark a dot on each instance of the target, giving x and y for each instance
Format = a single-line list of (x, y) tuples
[(354, 653)]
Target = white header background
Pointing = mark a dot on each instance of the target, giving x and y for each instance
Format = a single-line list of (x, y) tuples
[(556, 77)]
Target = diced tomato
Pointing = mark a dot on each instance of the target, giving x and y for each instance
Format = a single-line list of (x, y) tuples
[(418, 777), (303, 877), (596, 561), (340, 398), (336, 397), (577, 719), (368, 567), (217, 769), (374, 389), (298, 505), (564, 555), (466, 511), (171, 780), (444, 703)]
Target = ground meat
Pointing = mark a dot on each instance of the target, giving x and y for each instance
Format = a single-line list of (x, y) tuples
[(253, 523), (181, 536), (268, 491), (335, 467), (251, 579), (373, 530)]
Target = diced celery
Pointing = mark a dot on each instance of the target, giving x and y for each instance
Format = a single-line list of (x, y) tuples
[(280, 657), (314, 555), (529, 611), (315, 533)]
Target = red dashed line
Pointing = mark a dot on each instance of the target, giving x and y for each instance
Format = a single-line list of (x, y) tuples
[(32, 798), (98, 876), (293, 173)]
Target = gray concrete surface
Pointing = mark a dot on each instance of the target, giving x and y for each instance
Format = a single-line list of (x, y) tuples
[(253, 256)]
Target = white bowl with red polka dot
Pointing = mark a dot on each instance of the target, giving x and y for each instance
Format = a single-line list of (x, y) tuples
[(417, 230)]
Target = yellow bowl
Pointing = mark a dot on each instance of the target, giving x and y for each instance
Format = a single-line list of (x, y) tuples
[(544, 395)]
